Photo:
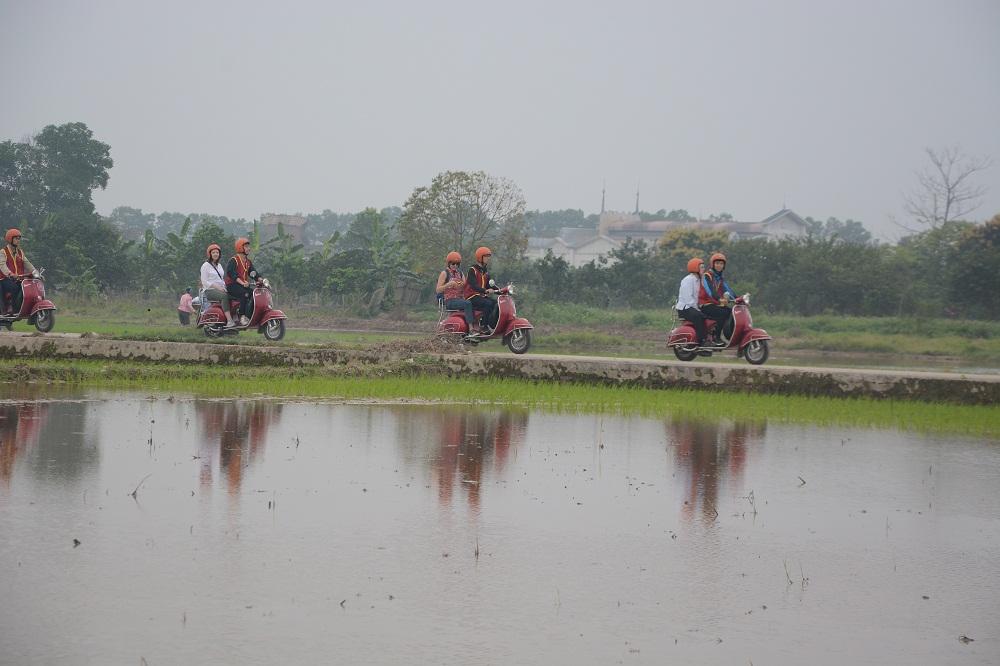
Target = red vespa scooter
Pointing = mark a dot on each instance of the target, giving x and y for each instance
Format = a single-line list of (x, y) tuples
[(38, 310), (267, 320), (749, 342), (513, 330)]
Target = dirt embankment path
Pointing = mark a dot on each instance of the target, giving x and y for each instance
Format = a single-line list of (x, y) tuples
[(437, 356)]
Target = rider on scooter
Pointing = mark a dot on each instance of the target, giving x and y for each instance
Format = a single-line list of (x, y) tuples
[(14, 264), (687, 299), (478, 289), (714, 298), (239, 272), (451, 286), (213, 282)]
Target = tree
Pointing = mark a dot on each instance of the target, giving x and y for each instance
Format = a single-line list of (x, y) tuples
[(461, 211), (680, 215), (54, 172), (132, 221), (547, 223), (373, 259), (945, 191), (848, 231), (721, 217), (679, 245)]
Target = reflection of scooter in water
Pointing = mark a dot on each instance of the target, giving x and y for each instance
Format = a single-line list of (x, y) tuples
[(713, 454), (470, 441), (20, 426), (240, 430)]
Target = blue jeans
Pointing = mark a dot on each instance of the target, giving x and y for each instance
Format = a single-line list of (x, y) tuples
[(461, 304)]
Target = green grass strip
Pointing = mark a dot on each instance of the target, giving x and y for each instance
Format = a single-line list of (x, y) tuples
[(398, 381)]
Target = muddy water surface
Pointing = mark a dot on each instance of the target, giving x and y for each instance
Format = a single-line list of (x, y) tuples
[(292, 532)]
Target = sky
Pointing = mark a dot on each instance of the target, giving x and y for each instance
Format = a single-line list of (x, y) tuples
[(241, 108)]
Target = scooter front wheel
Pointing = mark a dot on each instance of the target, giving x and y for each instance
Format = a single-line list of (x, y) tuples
[(757, 352), (274, 330), (45, 320), (519, 341)]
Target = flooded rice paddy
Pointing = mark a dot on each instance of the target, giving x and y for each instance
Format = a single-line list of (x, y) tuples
[(157, 530)]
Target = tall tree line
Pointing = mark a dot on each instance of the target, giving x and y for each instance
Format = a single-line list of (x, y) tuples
[(47, 181)]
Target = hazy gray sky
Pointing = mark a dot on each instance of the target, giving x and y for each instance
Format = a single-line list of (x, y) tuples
[(238, 108)]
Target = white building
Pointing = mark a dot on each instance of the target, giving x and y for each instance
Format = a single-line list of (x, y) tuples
[(579, 246)]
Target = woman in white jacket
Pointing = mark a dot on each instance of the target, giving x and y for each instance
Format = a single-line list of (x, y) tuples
[(213, 281)]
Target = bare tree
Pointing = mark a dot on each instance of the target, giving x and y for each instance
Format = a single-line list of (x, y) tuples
[(945, 191), (460, 211)]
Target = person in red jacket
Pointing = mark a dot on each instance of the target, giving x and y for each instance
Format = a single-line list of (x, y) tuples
[(239, 272), (14, 266), (451, 287), (478, 290)]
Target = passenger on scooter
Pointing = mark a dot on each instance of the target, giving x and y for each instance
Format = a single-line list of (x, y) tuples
[(14, 264), (213, 282), (687, 299), (715, 296), (478, 290), (239, 273), (451, 286)]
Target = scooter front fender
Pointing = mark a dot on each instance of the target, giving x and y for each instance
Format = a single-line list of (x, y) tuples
[(754, 334), (517, 323), (272, 314), (43, 304)]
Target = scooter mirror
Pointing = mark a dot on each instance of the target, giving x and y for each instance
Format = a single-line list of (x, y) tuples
[(493, 283)]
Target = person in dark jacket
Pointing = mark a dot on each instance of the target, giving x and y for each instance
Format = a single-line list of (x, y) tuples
[(478, 291), (715, 297), (239, 273)]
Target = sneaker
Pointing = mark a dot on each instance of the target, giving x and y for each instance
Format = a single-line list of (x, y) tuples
[(719, 343), (244, 320), (231, 324)]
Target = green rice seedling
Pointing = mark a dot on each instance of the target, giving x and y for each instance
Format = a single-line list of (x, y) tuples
[(399, 381)]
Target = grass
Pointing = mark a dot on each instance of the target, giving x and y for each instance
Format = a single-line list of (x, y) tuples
[(400, 380), (575, 329)]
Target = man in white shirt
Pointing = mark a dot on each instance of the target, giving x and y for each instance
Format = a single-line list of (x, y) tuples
[(687, 299)]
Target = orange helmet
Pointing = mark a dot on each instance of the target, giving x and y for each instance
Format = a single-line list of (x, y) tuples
[(482, 252), (694, 264), (453, 258), (213, 246), (240, 242), (10, 234), (718, 256)]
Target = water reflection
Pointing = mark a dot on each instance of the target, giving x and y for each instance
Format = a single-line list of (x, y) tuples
[(20, 427), (234, 435), (711, 455), (469, 442)]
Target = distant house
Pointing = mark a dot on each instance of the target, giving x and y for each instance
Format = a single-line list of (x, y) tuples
[(292, 225), (578, 246)]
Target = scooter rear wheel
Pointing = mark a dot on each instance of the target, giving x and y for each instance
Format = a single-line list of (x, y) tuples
[(45, 320), (685, 354)]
